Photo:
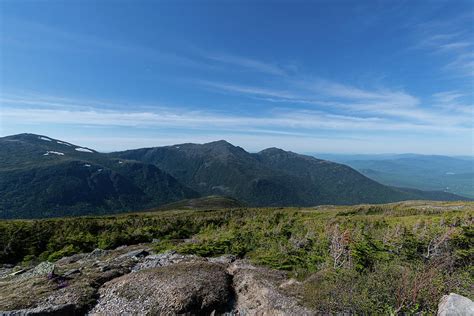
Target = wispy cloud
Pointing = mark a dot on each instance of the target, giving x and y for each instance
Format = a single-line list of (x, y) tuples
[(299, 121), (452, 101), (322, 94), (247, 63), (452, 38)]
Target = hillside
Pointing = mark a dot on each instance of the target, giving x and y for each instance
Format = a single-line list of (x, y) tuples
[(386, 259), (45, 177), (270, 177)]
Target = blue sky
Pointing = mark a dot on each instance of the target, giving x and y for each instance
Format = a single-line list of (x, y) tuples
[(314, 76)]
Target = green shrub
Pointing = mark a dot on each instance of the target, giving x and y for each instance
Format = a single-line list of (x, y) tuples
[(66, 251)]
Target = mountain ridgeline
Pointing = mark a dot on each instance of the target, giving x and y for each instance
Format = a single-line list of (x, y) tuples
[(45, 177), (272, 177)]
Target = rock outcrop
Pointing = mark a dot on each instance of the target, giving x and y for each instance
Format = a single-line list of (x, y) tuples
[(134, 281), (68, 287)]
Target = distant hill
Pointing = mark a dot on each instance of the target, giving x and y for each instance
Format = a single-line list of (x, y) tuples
[(213, 202), (45, 177), (272, 177), (424, 172)]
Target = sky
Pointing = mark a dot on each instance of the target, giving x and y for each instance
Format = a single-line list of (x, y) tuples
[(308, 76)]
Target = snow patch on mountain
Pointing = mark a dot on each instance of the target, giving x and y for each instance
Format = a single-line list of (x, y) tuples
[(53, 152), (84, 150)]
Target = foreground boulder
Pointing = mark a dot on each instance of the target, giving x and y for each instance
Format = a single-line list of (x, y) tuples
[(193, 288), (455, 305)]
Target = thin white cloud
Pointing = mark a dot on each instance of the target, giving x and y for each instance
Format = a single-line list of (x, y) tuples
[(452, 101), (299, 121), (247, 63), (452, 38), (331, 96)]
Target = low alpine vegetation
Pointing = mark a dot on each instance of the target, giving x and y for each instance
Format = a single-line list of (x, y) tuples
[(395, 258)]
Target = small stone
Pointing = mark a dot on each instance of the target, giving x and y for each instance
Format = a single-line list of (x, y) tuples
[(226, 259), (18, 272), (44, 268)]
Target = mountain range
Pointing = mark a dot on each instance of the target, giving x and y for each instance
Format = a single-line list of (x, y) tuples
[(425, 172), (45, 177)]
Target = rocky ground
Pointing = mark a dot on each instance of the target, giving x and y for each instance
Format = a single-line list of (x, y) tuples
[(132, 280)]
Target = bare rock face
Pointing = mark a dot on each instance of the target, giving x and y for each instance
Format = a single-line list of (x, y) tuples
[(455, 305), (188, 287)]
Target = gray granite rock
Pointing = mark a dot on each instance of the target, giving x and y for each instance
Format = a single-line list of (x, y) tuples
[(182, 288), (455, 305)]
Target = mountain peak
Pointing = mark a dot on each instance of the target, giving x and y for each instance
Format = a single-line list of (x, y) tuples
[(221, 142), (273, 151), (223, 146), (31, 137)]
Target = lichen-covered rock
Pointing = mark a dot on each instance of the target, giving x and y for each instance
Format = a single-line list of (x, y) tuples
[(164, 259), (43, 269), (196, 288), (455, 305), (59, 310)]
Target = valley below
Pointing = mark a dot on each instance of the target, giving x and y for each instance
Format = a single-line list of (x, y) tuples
[(196, 258)]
